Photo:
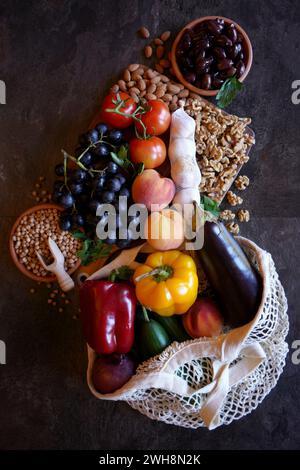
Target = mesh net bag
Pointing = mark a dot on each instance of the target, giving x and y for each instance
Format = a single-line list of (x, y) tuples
[(213, 381)]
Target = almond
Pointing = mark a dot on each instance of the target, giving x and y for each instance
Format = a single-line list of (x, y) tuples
[(158, 42), (127, 75), (160, 52), (135, 97), (174, 89), (160, 91), (156, 80), (174, 99), (167, 97), (148, 51), (134, 90), (165, 36), (184, 93), (151, 73), (130, 84), (136, 76), (122, 85), (164, 78), (133, 67), (151, 88), (143, 93), (173, 107), (144, 32), (141, 84), (140, 70), (150, 96)]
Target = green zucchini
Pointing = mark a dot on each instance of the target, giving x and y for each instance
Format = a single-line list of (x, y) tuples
[(152, 337), (173, 327)]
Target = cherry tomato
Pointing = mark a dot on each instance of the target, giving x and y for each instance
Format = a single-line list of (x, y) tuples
[(115, 119), (152, 151), (156, 120)]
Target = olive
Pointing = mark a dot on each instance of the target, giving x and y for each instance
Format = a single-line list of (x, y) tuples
[(190, 77), (219, 53), (196, 35), (179, 51), (222, 41), (199, 53), (233, 51), (186, 41), (220, 21), (231, 33), (209, 60), (239, 37), (225, 64), (240, 69), (206, 81), (241, 56), (228, 73), (202, 65), (217, 82), (185, 62), (214, 27), (203, 43)]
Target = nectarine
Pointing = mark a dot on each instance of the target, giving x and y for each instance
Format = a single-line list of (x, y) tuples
[(203, 319), (151, 189), (165, 230)]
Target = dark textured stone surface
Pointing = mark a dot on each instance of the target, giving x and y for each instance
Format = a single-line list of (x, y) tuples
[(57, 59)]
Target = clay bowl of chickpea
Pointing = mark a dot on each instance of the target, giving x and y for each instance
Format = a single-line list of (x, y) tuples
[(30, 232)]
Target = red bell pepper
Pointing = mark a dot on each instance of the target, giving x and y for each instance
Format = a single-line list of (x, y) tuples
[(107, 312)]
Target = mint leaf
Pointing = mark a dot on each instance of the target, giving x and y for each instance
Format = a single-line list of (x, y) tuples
[(92, 250), (228, 91), (209, 205)]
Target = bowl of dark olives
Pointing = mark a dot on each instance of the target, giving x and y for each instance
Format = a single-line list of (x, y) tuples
[(208, 51)]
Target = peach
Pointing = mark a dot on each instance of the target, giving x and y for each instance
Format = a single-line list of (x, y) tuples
[(203, 319), (150, 189), (165, 230)]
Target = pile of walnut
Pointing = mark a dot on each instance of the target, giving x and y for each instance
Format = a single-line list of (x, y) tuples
[(223, 142)]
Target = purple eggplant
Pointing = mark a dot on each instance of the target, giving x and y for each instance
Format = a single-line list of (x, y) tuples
[(237, 285)]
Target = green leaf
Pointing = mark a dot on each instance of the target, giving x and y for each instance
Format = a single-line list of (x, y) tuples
[(209, 205), (121, 158), (79, 235), (124, 273), (140, 168), (123, 152), (228, 91), (92, 250)]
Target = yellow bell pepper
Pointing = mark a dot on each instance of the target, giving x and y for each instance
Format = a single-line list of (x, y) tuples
[(167, 283)]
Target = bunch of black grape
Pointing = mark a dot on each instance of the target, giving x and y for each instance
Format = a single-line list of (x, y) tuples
[(96, 181)]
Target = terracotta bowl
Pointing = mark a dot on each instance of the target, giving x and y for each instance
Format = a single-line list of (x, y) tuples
[(13, 253), (246, 44)]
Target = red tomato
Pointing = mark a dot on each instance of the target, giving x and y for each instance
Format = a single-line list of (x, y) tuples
[(156, 120), (152, 151), (114, 119)]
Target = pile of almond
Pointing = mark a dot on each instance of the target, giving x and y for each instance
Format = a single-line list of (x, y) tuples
[(140, 81)]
